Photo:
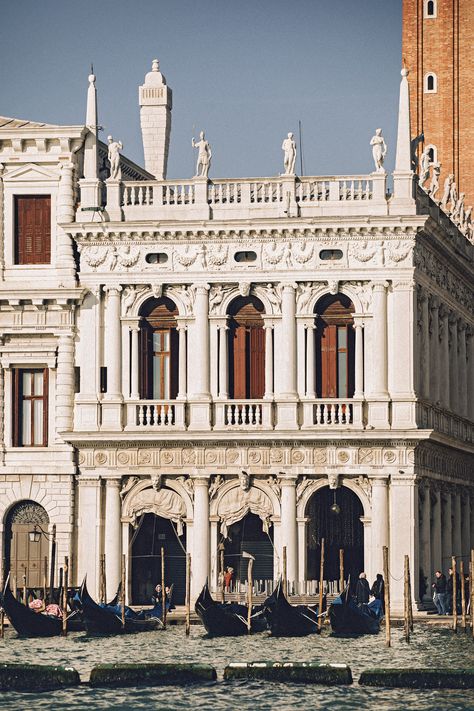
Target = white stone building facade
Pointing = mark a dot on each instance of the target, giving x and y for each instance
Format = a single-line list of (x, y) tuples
[(186, 356)]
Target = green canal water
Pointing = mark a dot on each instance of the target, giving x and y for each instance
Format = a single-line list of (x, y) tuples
[(434, 648)]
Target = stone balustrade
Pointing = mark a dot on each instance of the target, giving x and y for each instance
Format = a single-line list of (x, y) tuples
[(246, 197), (329, 413), (155, 415)]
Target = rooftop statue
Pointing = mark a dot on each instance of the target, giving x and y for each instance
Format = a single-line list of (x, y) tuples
[(114, 158), (379, 150), (448, 183), (289, 148), (425, 166), (434, 185), (204, 156)]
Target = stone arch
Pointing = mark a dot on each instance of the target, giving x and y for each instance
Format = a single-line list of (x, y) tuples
[(170, 501), (345, 289), (257, 290), (233, 503), (23, 557), (317, 484), (180, 297), (35, 494)]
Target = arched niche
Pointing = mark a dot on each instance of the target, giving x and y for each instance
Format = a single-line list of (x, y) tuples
[(23, 556)]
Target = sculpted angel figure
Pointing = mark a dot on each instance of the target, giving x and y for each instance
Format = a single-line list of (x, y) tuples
[(204, 156), (379, 150)]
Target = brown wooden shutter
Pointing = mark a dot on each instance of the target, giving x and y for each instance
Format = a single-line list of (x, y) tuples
[(257, 363), (329, 362), (32, 229), (240, 380), (16, 406), (45, 406)]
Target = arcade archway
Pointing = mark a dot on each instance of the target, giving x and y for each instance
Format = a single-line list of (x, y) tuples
[(340, 527), (25, 558), (248, 536), (154, 533)]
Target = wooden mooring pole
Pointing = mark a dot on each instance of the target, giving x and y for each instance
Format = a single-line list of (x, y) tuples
[(123, 590), (45, 578), (341, 569), (163, 588), (25, 600), (321, 585), (188, 594), (2, 623), (406, 621), (65, 587), (221, 559), (463, 596), (386, 577), (285, 578), (250, 594), (410, 604), (455, 594)]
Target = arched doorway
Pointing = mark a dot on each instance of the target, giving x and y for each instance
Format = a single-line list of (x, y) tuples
[(24, 557), (335, 356), (159, 344), (154, 533), (340, 530), (248, 536), (246, 349)]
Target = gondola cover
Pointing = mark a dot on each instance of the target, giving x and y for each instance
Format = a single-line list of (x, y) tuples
[(287, 620), (27, 622), (347, 617), (228, 619)]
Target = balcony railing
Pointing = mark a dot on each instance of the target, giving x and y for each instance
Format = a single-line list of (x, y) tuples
[(246, 197), (155, 415), (243, 415), (329, 413)]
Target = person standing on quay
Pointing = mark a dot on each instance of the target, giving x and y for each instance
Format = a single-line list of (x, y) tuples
[(362, 590), (440, 593), (378, 589), (449, 591)]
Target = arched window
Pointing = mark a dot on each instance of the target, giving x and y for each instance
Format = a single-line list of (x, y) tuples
[(433, 153), (431, 83), (430, 8), (159, 350), (335, 363), (246, 349)]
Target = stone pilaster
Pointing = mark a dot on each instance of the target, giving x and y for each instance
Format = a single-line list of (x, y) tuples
[(288, 526), (64, 400), (199, 381), (378, 401), (379, 521), (112, 401), (434, 349), (200, 555), (113, 536), (425, 537), (285, 385)]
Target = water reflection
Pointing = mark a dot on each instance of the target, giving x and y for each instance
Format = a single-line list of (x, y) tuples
[(429, 647)]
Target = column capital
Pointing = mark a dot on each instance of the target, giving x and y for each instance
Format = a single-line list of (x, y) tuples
[(112, 289), (380, 286), (378, 480), (289, 287), (201, 288), (113, 482)]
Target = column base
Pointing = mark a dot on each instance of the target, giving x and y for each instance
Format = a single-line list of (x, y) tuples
[(403, 414), (287, 415), (111, 419), (86, 415), (200, 416), (378, 414)]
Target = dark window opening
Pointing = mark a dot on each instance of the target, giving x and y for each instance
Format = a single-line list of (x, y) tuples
[(156, 258), (159, 350), (245, 256), (335, 352), (30, 408), (246, 347), (330, 254)]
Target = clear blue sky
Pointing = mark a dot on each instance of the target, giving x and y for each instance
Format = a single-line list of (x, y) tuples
[(244, 70)]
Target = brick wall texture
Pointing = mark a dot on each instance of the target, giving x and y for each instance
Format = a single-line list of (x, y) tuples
[(444, 45)]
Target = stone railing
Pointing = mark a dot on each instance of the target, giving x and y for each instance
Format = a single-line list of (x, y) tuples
[(155, 415), (246, 197), (435, 418), (243, 414), (329, 413)]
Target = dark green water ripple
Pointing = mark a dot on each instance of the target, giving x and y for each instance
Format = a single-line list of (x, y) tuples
[(433, 648)]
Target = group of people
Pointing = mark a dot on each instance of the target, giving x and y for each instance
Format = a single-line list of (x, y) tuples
[(443, 591), (364, 592)]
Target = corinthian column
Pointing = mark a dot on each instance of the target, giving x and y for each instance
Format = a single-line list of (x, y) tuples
[(182, 362), (425, 536), (135, 391), (470, 372), (200, 559), (462, 369), (379, 521), (223, 362), (359, 359), (288, 527), (268, 361), (113, 536), (65, 383), (379, 338), (310, 361), (434, 349), (113, 343), (424, 344), (199, 365), (444, 359), (288, 346)]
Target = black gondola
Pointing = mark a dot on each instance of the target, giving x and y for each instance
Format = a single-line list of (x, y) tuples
[(228, 619), (29, 623), (287, 620), (347, 617), (107, 619)]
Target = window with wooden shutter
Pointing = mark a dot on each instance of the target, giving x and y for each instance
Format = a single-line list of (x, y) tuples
[(159, 350), (246, 350), (335, 358), (32, 229), (30, 408)]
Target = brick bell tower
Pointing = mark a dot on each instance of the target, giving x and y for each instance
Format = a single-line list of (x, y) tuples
[(438, 50)]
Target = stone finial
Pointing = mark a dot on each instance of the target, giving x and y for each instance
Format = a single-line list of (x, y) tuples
[(403, 156), (155, 65)]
